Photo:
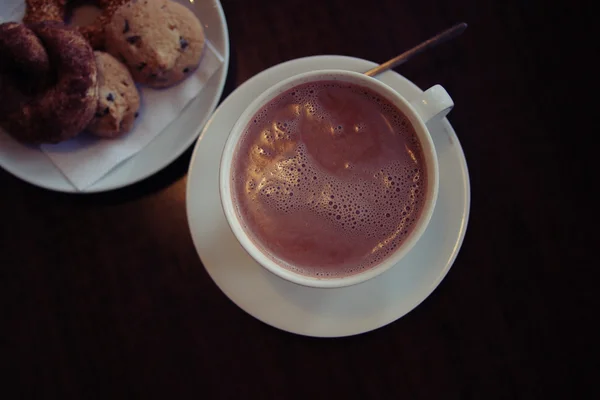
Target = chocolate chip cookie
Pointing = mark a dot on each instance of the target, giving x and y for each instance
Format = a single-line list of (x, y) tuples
[(160, 41), (118, 98)]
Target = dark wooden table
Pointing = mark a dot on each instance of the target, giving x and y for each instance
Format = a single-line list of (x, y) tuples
[(104, 296)]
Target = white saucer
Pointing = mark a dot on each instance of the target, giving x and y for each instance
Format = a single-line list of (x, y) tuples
[(31, 165), (323, 312)]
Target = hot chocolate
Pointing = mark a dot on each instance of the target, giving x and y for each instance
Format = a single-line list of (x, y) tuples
[(329, 178)]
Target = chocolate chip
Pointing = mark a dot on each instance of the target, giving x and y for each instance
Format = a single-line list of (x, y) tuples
[(141, 66), (153, 75), (106, 110), (126, 28), (186, 70), (98, 115), (136, 114), (110, 97), (133, 39), (183, 43)]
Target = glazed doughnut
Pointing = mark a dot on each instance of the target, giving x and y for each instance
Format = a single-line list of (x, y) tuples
[(29, 63), (48, 82), (55, 10)]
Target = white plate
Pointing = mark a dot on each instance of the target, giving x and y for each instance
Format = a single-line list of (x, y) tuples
[(323, 312), (33, 166)]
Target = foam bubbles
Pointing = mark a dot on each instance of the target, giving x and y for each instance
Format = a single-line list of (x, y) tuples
[(315, 221)]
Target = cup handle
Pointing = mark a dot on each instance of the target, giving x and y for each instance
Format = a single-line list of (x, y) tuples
[(435, 103)]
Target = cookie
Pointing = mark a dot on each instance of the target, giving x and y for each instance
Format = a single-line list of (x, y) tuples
[(118, 98), (191, 41), (160, 41)]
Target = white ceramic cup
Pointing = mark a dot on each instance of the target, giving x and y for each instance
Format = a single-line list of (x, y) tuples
[(434, 103)]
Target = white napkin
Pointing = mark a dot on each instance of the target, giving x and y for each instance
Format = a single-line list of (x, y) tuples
[(85, 159)]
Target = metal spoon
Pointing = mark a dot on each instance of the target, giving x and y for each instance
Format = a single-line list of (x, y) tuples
[(442, 37)]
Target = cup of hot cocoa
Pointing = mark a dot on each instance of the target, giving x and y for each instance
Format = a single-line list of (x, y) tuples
[(330, 177)]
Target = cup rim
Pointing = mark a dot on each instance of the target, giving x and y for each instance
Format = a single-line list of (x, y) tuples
[(230, 148)]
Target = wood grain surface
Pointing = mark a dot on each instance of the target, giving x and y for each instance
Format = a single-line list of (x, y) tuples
[(103, 296)]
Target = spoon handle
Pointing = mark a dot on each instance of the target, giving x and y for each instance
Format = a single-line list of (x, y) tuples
[(442, 37)]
